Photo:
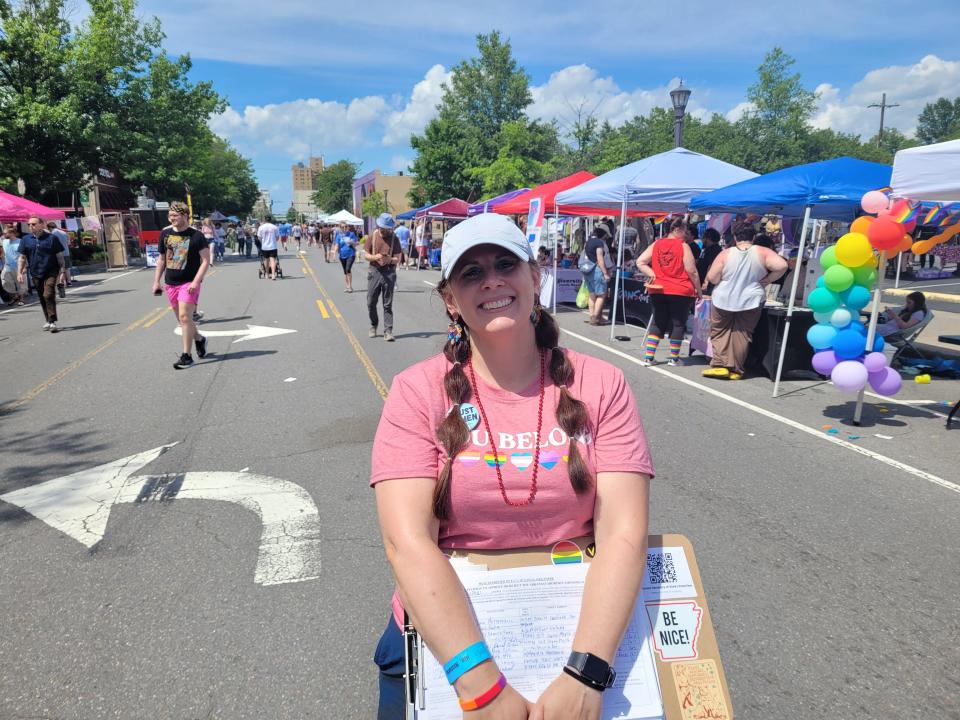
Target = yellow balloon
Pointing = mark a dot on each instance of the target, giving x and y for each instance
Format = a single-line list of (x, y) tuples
[(854, 250)]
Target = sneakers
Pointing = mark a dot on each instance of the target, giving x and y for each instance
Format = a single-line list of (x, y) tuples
[(201, 344), (388, 336), (372, 333), (46, 326), (646, 362), (718, 372), (54, 328), (185, 361), (197, 315), (61, 290), (675, 362)]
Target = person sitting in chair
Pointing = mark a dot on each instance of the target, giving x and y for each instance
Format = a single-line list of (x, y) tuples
[(912, 313)]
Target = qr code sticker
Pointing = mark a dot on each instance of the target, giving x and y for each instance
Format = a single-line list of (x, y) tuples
[(661, 568)]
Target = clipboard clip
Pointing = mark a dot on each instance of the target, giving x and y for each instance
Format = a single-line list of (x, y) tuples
[(412, 676)]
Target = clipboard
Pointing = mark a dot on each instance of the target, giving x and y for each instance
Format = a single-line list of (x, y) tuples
[(690, 673)]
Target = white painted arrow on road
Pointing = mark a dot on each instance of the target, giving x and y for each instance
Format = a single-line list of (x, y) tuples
[(253, 332), (79, 505)]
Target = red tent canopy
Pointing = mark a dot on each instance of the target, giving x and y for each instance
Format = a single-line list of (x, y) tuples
[(18, 209), (452, 208), (520, 205)]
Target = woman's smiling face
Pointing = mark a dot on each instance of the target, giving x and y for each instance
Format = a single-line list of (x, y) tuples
[(491, 289)]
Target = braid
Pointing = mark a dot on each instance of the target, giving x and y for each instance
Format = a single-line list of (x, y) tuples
[(453, 432), (571, 413)]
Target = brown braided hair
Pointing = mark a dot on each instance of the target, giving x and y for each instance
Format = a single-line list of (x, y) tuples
[(453, 432)]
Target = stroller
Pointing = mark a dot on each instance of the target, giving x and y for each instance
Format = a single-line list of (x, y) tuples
[(264, 270)]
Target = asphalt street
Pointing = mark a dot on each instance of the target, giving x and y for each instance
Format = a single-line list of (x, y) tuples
[(831, 562)]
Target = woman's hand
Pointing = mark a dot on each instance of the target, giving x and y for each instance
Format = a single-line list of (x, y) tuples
[(508, 705), (568, 699)]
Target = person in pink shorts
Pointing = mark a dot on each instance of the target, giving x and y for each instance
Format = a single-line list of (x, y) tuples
[(184, 259), (506, 440)]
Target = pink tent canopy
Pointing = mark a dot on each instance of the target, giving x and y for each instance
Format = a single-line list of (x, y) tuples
[(18, 209), (450, 209)]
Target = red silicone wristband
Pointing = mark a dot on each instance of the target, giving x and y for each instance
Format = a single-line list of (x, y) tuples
[(486, 698)]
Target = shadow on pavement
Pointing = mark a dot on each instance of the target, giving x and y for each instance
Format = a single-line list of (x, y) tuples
[(97, 293), (418, 335), (214, 321), (242, 354), (872, 417), (71, 328)]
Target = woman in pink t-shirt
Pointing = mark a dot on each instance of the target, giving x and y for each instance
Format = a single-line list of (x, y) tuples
[(506, 441)]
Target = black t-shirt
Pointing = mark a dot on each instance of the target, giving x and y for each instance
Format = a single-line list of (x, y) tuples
[(594, 244), (181, 250)]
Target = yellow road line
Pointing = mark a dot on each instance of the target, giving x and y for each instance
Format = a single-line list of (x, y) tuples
[(374, 376), (154, 320), (50, 382), (336, 313), (323, 309)]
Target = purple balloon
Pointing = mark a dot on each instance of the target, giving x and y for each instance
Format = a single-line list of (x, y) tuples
[(825, 361), (875, 362), (849, 376), (886, 382)]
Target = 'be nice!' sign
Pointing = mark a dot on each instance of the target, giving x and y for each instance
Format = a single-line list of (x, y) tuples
[(675, 626)]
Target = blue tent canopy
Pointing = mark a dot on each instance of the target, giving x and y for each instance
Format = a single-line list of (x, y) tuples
[(411, 214), (832, 189)]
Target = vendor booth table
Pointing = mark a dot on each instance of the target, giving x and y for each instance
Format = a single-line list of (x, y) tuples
[(567, 284)]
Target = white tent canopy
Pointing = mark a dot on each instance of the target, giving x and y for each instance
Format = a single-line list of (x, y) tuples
[(344, 217), (928, 172), (660, 183)]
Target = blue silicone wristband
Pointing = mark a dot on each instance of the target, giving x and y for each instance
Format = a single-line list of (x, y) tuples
[(466, 660)]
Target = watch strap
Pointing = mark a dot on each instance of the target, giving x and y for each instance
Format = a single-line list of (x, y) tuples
[(580, 678), (593, 668)]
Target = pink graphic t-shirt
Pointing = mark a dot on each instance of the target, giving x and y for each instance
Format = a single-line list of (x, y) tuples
[(406, 446)]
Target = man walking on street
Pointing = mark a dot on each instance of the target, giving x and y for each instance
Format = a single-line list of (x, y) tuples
[(42, 254), (267, 235), (403, 235), (326, 240), (184, 259), (382, 251)]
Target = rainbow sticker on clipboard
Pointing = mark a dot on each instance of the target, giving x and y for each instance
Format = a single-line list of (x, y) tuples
[(566, 552)]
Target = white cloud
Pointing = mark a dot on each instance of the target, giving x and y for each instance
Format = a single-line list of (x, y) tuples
[(909, 86), (580, 88), (419, 110), (738, 111), (295, 127)]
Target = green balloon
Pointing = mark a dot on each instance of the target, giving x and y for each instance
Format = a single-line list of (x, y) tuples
[(865, 275), (828, 258), (838, 278), (823, 300)]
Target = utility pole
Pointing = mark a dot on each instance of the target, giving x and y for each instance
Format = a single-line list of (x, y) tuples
[(883, 105)]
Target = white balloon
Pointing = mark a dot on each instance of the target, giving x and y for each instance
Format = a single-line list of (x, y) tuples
[(840, 318)]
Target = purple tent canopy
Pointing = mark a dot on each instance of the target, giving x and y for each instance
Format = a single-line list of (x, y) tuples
[(489, 205)]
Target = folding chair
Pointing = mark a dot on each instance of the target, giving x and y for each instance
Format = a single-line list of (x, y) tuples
[(903, 340)]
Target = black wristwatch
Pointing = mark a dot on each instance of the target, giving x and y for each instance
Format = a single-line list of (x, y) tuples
[(592, 671)]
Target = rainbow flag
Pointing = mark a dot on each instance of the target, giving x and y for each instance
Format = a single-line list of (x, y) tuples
[(659, 220), (932, 216), (909, 213), (566, 552)]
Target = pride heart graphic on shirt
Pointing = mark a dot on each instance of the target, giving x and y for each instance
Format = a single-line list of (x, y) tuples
[(521, 461), (468, 457), (549, 459), (493, 461)]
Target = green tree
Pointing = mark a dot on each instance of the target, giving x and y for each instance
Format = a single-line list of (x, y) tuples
[(484, 94), (293, 215), (374, 204), (524, 154), (939, 121), (333, 188)]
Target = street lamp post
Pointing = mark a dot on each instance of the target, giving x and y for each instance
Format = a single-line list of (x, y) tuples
[(679, 97)]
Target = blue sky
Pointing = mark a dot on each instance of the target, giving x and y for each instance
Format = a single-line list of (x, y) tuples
[(299, 74)]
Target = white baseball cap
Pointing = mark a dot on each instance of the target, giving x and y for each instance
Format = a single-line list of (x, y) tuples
[(483, 229)]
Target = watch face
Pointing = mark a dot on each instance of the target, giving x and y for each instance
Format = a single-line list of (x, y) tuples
[(597, 670)]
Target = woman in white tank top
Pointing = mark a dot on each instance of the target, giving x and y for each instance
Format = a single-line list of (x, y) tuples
[(741, 274)]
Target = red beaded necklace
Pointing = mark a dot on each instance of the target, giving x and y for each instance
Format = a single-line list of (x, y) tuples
[(496, 454)]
